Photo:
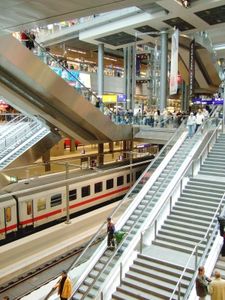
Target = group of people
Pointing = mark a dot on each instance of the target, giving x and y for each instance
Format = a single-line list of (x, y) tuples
[(207, 286), (194, 121)]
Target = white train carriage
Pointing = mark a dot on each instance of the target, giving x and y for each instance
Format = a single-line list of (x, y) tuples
[(43, 200), (8, 216)]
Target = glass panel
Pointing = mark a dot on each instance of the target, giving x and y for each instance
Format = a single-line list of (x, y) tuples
[(119, 180), (85, 191), (109, 184), (56, 200), (73, 195), (8, 216), (98, 187), (41, 204), (29, 207)]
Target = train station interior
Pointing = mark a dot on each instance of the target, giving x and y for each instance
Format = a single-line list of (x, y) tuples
[(112, 162)]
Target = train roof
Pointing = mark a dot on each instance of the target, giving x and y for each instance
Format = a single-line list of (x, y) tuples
[(51, 181)]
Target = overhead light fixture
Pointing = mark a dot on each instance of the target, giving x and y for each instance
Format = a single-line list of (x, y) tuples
[(109, 58), (76, 51)]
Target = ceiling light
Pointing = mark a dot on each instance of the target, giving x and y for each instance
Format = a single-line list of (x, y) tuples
[(109, 58), (184, 3), (77, 51), (219, 47)]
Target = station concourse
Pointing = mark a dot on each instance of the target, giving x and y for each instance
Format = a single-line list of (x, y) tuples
[(95, 104)]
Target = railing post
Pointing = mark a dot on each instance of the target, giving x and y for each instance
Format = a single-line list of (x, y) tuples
[(171, 203), (155, 228), (192, 168), (179, 288), (196, 257), (121, 273), (141, 243), (181, 185), (101, 295)]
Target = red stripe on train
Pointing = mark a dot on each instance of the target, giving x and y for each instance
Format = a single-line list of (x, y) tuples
[(73, 206), (8, 228)]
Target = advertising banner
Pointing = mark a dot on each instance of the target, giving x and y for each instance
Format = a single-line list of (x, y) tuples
[(192, 69), (174, 63)]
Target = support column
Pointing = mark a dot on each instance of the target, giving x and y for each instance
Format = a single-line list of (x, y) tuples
[(163, 70), (100, 155), (129, 75), (72, 145), (100, 70), (46, 160), (111, 146), (185, 102)]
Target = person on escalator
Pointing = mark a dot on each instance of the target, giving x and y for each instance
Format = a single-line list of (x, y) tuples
[(64, 287), (110, 232)]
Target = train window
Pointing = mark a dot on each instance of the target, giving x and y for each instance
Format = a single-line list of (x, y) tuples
[(109, 184), (29, 207), (85, 191), (138, 174), (98, 187), (8, 215), (128, 178), (119, 180), (41, 204), (56, 200), (73, 195)]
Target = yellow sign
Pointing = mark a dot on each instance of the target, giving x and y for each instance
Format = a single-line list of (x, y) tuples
[(109, 98)]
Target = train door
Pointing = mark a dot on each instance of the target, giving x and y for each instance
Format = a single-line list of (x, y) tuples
[(26, 213), (2, 224), (10, 219)]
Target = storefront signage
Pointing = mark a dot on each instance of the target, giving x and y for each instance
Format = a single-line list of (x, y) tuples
[(215, 101), (109, 98), (121, 98), (192, 68)]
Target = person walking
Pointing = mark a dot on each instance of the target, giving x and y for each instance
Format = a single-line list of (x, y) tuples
[(110, 232), (217, 287), (191, 124), (199, 119), (202, 282), (64, 287)]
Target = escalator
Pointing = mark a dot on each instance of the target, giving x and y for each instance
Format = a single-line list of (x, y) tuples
[(33, 88)]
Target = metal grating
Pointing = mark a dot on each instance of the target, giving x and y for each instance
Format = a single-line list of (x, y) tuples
[(179, 23), (213, 16), (147, 29), (118, 39)]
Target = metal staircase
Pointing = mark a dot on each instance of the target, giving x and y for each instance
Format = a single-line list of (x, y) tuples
[(90, 286), (18, 136), (155, 273)]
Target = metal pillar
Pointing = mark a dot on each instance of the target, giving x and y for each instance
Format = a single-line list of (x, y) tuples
[(100, 155), (129, 75), (46, 160), (100, 70), (185, 100), (163, 70), (67, 195)]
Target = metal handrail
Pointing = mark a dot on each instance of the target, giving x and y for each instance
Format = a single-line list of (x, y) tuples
[(61, 65), (16, 133), (197, 246)]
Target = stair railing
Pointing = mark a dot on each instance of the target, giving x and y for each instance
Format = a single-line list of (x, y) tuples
[(214, 230), (86, 92), (19, 134), (154, 221)]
